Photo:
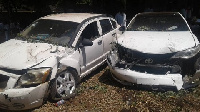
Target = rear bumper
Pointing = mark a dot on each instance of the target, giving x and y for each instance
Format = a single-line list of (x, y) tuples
[(23, 98)]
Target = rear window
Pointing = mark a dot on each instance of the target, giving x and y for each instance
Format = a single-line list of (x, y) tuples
[(158, 22)]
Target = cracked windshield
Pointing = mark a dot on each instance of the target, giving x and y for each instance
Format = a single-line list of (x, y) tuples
[(50, 31)]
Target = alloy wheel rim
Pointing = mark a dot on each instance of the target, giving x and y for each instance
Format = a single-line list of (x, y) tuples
[(65, 84)]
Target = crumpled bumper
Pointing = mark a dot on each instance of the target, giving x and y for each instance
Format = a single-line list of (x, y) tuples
[(134, 77), (127, 76), (23, 98)]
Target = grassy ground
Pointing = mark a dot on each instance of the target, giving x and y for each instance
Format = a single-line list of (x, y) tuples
[(100, 93)]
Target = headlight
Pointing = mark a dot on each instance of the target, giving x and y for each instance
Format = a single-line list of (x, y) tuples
[(187, 53), (112, 58), (34, 77)]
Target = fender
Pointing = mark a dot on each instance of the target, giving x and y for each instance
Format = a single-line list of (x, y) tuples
[(70, 63)]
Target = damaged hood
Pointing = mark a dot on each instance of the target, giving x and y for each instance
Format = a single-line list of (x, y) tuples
[(154, 42), (17, 54)]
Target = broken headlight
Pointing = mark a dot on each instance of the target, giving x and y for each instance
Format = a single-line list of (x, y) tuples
[(187, 53), (34, 77), (113, 58)]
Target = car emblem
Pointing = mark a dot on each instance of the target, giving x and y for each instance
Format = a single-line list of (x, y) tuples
[(149, 60)]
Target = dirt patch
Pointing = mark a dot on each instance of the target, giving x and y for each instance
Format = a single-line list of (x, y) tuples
[(101, 93)]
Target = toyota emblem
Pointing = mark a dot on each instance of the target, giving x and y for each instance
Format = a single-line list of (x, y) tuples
[(149, 61)]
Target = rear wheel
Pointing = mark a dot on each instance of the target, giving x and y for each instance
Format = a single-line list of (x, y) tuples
[(64, 85)]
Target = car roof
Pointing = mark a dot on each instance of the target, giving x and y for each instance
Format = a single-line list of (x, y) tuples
[(74, 17)]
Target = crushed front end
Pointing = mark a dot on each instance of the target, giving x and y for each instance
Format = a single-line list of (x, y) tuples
[(23, 89), (165, 70)]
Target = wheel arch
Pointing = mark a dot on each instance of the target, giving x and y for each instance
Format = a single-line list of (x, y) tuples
[(53, 95), (68, 64)]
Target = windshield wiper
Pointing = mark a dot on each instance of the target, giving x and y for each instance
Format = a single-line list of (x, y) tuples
[(20, 37)]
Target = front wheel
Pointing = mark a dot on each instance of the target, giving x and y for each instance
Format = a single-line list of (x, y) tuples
[(64, 85)]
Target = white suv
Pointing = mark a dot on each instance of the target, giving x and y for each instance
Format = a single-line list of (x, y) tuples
[(51, 56)]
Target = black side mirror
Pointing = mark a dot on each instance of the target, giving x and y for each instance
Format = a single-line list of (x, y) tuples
[(122, 28), (86, 42)]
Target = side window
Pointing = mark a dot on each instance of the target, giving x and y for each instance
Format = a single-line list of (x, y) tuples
[(106, 26), (114, 24), (91, 31)]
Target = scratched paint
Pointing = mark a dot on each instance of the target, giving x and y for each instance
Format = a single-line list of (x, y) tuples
[(27, 54)]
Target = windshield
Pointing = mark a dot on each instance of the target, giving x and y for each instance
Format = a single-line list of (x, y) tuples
[(158, 22), (50, 31)]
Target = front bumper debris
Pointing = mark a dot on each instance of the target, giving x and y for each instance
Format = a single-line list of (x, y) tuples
[(23, 98), (163, 76), (12, 98), (125, 75)]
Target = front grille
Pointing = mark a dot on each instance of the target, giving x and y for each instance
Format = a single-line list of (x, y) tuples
[(148, 63), (157, 69), (132, 56), (152, 69), (3, 82)]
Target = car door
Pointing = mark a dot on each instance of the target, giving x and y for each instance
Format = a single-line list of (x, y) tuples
[(108, 34), (91, 56)]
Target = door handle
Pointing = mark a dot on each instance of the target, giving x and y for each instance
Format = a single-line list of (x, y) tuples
[(113, 34), (99, 42)]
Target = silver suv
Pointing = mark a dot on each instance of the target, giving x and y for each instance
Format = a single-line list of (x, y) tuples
[(51, 56)]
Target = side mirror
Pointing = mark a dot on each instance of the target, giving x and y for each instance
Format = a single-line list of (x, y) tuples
[(122, 28), (86, 42)]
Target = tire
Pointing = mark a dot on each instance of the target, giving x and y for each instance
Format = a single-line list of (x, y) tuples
[(197, 64), (64, 85)]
